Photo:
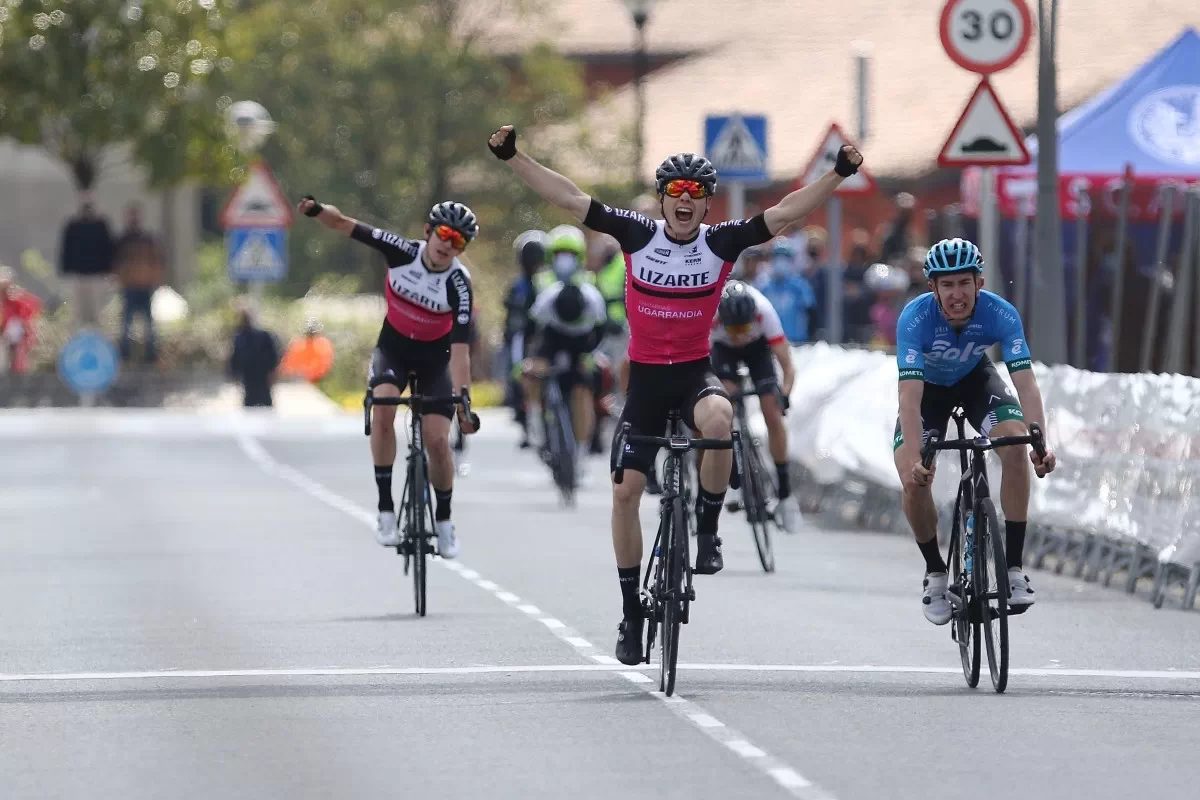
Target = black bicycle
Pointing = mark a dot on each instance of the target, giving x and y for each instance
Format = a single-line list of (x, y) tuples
[(559, 446), (419, 527), (979, 587), (760, 492), (666, 601)]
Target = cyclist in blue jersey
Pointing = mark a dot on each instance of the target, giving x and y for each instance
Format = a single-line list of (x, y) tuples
[(941, 342)]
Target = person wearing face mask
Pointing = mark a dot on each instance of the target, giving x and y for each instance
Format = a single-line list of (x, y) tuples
[(566, 252), (790, 293)]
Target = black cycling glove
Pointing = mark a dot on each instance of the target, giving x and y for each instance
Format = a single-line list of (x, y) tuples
[(843, 166), (507, 149), (316, 209)]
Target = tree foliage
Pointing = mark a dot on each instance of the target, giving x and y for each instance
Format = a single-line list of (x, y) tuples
[(385, 108), (78, 76)]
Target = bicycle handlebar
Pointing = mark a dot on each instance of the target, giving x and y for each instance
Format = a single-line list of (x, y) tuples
[(676, 443), (770, 386), (460, 398), (982, 444)]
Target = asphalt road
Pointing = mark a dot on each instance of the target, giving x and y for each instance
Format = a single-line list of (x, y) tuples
[(196, 608)]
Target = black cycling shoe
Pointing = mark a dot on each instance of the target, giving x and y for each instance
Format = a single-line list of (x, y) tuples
[(629, 641), (708, 555)]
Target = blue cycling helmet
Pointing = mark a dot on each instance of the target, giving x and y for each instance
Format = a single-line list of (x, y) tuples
[(952, 255)]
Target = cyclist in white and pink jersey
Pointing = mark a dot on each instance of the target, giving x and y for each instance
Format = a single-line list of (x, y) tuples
[(747, 330), (426, 333), (675, 268)]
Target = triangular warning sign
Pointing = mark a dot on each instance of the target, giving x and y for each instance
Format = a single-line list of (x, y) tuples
[(257, 257), (257, 203), (985, 135), (736, 150), (823, 160)]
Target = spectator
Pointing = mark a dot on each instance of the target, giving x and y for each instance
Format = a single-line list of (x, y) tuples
[(895, 242), (140, 271), (858, 297), (86, 258), (309, 357), (254, 361), (18, 313), (789, 292), (888, 285), (812, 268)]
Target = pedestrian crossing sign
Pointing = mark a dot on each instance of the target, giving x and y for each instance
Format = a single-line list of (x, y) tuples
[(257, 254), (736, 144)]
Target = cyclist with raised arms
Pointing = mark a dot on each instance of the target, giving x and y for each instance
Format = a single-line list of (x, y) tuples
[(675, 269), (941, 341), (426, 332), (748, 331)]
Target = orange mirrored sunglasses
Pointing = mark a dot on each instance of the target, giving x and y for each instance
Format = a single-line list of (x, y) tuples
[(448, 234), (678, 187), (739, 330)]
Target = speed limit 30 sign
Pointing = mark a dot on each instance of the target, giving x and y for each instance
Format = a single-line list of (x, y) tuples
[(985, 36)]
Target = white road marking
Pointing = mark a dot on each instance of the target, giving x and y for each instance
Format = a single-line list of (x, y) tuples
[(531, 610), (788, 778), (482, 584), (469, 574), (744, 748), (552, 624), (706, 721), (508, 597), (579, 641), (636, 677), (605, 659)]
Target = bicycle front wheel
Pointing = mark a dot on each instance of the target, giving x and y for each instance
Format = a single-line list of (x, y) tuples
[(416, 526), (992, 584), (563, 450), (756, 498), (966, 631)]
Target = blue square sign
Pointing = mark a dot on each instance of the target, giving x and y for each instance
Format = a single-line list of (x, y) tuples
[(736, 144), (257, 254)]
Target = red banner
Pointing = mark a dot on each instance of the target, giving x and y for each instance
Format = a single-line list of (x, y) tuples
[(1017, 194)]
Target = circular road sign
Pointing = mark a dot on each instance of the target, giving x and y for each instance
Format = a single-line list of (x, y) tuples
[(985, 36), (88, 363)]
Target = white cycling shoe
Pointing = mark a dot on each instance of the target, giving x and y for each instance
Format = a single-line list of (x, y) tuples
[(386, 532), (1020, 593), (447, 541), (934, 601), (789, 516)]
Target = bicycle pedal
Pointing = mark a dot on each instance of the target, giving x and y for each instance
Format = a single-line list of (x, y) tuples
[(1018, 610), (733, 505)]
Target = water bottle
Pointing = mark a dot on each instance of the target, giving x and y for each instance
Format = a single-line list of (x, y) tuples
[(968, 558)]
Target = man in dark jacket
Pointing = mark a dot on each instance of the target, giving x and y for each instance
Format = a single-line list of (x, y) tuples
[(254, 361), (86, 258)]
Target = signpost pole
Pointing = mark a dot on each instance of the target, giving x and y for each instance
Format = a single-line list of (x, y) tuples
[(737, 200), (833, 273), (989, 231)]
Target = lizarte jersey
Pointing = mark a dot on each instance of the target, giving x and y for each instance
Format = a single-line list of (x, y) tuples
[(426, 310), (672, 288), (928, 349)]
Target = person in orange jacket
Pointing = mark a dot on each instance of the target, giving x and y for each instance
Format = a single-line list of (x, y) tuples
[(310, 356), (18, 311)]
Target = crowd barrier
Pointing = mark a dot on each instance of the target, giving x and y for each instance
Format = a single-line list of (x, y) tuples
[(1119, 507)]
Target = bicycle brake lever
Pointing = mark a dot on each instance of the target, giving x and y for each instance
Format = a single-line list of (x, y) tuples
[(735, 480), (927, 452)]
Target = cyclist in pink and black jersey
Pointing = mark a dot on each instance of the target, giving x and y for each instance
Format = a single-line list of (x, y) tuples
[(675, 268)]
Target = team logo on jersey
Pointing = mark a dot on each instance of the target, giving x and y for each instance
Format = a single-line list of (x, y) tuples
[(911, 358), (685, 279), (1017, 347), (662, 251), (942, 351)]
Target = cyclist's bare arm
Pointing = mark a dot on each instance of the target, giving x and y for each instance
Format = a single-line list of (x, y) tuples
[(330, 217), (797, 205), (1030, 397), (783, 354), (554, 188)]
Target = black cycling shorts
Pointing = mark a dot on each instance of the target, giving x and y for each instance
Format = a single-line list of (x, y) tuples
[(433, 378), (755, 355), (985, 398), (654, 390), (560, 349)]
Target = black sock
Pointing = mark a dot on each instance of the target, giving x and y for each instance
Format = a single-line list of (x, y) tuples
[(710, 509), (441, 512), (785, 483), (933, 556), (383, 480), (631, 601), (1014, 542)]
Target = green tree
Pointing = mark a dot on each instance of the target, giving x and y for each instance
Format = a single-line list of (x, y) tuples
[(385, 108), (78, 76)]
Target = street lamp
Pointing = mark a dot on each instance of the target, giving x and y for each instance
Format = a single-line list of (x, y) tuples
[(640, 11)]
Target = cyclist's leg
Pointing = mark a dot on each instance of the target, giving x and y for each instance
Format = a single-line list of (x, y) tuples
[(761, 364), (384, 379), (724, 360), (709, 412), (435, 427), (994, 410), (919, 508)]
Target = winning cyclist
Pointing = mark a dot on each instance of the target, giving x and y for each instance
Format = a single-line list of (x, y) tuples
[(570, 323), (941, 342), (426, 332), (747, 331), (676, 267)]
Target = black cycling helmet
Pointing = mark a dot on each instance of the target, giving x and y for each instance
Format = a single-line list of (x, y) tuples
[(530, 248), (737, 306), (456, 216), (687, 166), (568, 306)]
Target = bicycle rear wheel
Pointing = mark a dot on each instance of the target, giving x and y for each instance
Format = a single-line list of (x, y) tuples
[(756, 491), (418, 534), (992, 584), (562, 449), (673, 549), (966, 632)]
